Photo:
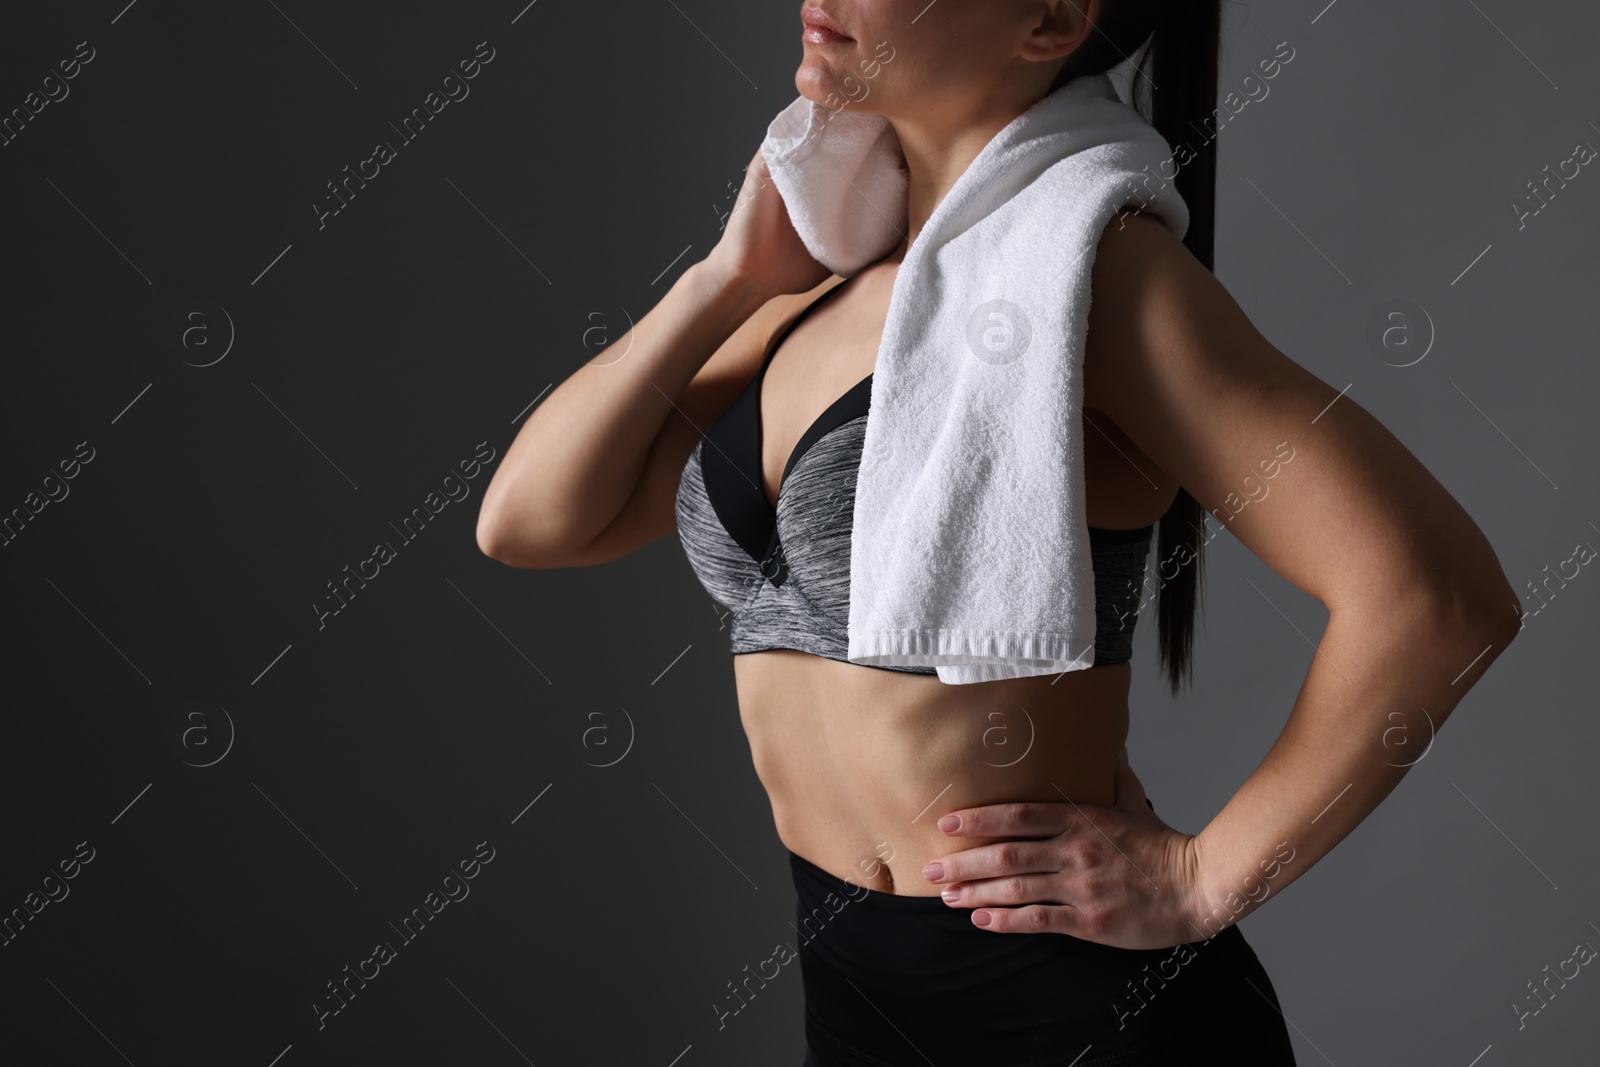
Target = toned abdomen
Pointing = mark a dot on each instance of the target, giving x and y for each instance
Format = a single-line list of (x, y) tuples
[(859, 764)]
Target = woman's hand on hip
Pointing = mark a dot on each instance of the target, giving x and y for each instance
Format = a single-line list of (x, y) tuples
[(1116, 875)]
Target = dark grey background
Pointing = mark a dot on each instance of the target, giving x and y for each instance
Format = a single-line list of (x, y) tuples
[(456, 701)]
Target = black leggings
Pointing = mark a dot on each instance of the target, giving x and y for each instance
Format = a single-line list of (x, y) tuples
[(900, 980)]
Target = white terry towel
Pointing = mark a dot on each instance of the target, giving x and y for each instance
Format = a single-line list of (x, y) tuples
[(970, 546)]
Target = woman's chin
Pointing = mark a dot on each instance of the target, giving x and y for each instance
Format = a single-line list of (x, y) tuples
[(817, 81)]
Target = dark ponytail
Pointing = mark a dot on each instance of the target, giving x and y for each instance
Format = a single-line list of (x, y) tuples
[(1175, 89)]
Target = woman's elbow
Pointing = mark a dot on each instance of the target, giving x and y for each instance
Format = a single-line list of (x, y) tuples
[(1485, 607), (1471, 588), (502, 540), (517, 542), (490, 535), (1502, 613), (494, 535), (1496, 606)]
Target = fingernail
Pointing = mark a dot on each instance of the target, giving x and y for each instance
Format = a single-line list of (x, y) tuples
[(949, 823), (981, 918), (933, 871), (951, 895)]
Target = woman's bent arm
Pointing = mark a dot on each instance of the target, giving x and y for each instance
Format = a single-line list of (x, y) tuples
[(1383, 679), (1418, 605), (581, 455)]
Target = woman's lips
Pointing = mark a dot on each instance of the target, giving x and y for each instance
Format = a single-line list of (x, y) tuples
[(823, 35), (820, 29)]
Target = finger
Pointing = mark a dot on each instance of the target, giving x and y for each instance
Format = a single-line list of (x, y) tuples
[(1024, 818), (1010, 891), (1032, 919), (997, 860)]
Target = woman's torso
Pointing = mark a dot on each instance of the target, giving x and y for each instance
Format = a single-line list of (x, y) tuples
[(859, 762)]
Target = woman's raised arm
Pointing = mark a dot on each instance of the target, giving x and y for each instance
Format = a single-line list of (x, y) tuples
[(602, 435), (592, 474)]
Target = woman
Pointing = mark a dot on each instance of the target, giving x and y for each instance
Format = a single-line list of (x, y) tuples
[(981, 879)]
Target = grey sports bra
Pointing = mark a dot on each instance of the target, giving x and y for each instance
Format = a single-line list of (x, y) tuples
[(784, 574)]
